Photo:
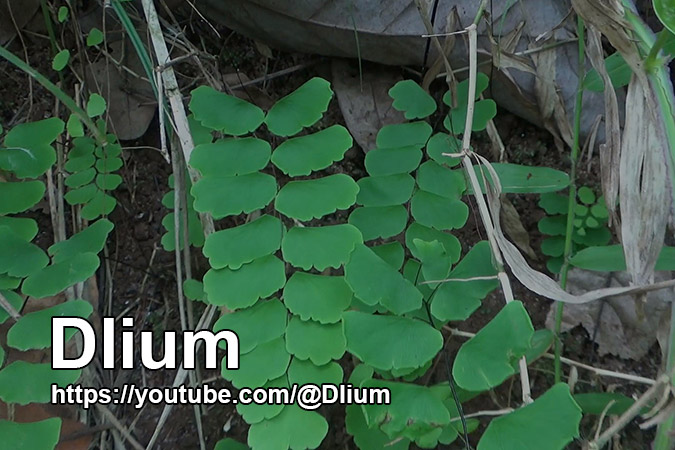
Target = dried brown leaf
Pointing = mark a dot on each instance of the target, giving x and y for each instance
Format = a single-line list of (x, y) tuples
[(514, 228)]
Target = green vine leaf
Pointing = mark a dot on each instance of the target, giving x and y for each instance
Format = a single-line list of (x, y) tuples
[(390, 190), (17, 197), (231, 157), (484, 112), (90, 240), (379, 221), (29, 152), (306, 372), (320, 247), (438, 212), (320, 343), (457, 300), (225, 113), (34, 330), (240, 245), (414, 101), (19, 258), (486, 360), (415, 134), (36, 380), (550, 423), (374, 281), (390, 161), (246, 323), (390, 342), (312, 199), (267, 361), (243, 287), (317, 297), (299, 109), (306, 154), (231, 196), (293, 429), (58, 276), (43, 434), (414, 411)]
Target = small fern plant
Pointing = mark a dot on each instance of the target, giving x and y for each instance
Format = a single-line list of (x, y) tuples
[(590, 224), (321, 266), (28, 271)]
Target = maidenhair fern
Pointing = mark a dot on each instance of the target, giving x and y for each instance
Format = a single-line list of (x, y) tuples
[(26, 270), (304, 285)]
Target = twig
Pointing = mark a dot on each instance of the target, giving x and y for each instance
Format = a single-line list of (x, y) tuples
[(7, 306), (498, 412), (121, 428)]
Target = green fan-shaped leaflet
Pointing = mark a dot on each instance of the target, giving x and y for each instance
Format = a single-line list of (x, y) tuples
[(35, 381), (518, 179), (19, 258), (390, 161), (200, 133), (14, 299), (586, 195), (553, 246), (231, 157), (374, 281), (665, 11), (317, 297), (101, 204), (243, 287), (482, 82), (379, 221), (80, 179), (255, 413), (28, 151), (387, 190), (320, 247), (370, 438), (392, 253), (305, 154), (305, 372), (438, 212), (108, 181), (58, 276), (414, 134), (484, 111), (414, 101), (246, 323), (553, 203), (436, 262), (233, 247), (265, 362), (312, 199), (441, 143), (320, 343), (7, 282), (299, 109), (414, 411), (550, 423), (23, 227), (230, 444), (293, 428), (194, 290), (16, 197), (485, 360), (457, 300), (96, 105), (231, 196), (553, 225), (90, 240), (225, 113), (33, 330), (418, 231), (440, 180), (60, 60), (390, 342), (43, 434)]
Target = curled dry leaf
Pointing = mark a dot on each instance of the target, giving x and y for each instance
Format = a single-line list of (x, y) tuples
[(621, 329), (514, 228), (366, 106)]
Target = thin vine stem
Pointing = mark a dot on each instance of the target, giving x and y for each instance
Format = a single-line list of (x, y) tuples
[(572, 199)]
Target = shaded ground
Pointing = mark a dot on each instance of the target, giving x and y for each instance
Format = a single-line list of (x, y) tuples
[(143, 277)]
